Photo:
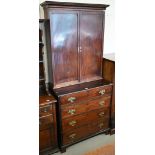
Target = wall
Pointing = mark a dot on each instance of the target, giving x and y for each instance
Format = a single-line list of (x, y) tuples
[(109, 21)]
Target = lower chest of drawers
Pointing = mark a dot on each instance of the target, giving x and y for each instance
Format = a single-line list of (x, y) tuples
[(47, 124), (85, 113)]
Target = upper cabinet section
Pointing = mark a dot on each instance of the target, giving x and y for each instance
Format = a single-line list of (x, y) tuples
[(75, 40)]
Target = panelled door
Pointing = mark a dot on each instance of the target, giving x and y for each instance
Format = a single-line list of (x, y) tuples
[(76, 45), (64, 44), (91, 42)]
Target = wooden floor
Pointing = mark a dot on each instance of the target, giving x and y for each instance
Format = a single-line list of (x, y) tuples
[(103, 150)]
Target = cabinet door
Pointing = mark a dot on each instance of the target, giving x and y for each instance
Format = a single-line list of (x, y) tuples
[(46, 139), (91, 45), (64, 44)]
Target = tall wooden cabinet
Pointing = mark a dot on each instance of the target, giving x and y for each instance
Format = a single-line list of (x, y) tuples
[(75, 42)]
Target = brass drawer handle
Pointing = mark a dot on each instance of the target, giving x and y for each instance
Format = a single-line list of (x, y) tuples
[(101, 114), (101, 103), (101, 125), (71, 111), (71, 99), (72, 136), (102, 92), (72, 123)]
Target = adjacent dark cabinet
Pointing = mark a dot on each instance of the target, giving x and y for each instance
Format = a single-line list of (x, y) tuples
[(47, 125), (42, 87), (109, 74), (75, 42), (47, 105)]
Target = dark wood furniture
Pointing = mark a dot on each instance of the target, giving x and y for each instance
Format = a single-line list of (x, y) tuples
[(47, 125), (75, 39), (42, 86), (47, 106), (109, 74)]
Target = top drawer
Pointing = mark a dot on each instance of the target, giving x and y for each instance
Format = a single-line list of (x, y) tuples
[(46, 110), (46, 100), (85, 94)]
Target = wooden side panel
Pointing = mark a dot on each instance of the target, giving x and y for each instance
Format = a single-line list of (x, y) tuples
[(91, 42), (109, 74), (108, 70), (64, 44)]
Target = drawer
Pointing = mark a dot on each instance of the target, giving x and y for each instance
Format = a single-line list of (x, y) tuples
[(86, 118), (46, 121), (85, 94), (84, 131), (45, 110), (46, 139), (46, 100), (76, 134), (74, 97), (100, 91), (85, 106), (99, 126)]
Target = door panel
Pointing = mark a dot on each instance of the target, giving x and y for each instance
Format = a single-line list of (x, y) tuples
[(91, 34), (64, 43)]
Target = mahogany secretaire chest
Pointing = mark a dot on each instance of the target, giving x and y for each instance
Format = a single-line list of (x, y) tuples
[(75, 42)]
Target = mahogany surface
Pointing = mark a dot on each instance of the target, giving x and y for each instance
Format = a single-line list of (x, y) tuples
[(84, 131), (75, 41), (75, 45), (87, 118), (87, 109), (47, 124), (64, 47), (91, 39), (69, 4), (85, 106), (109, 74), (81, 86)]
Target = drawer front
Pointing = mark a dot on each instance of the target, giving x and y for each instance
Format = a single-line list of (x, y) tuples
[(84, 132), (86, 118), (46, 139), (99, 126), (45, 110), (85, 94), (79, 108), (76, 134), (100, 91), (74, 97), (45, 121), (45, 100)]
